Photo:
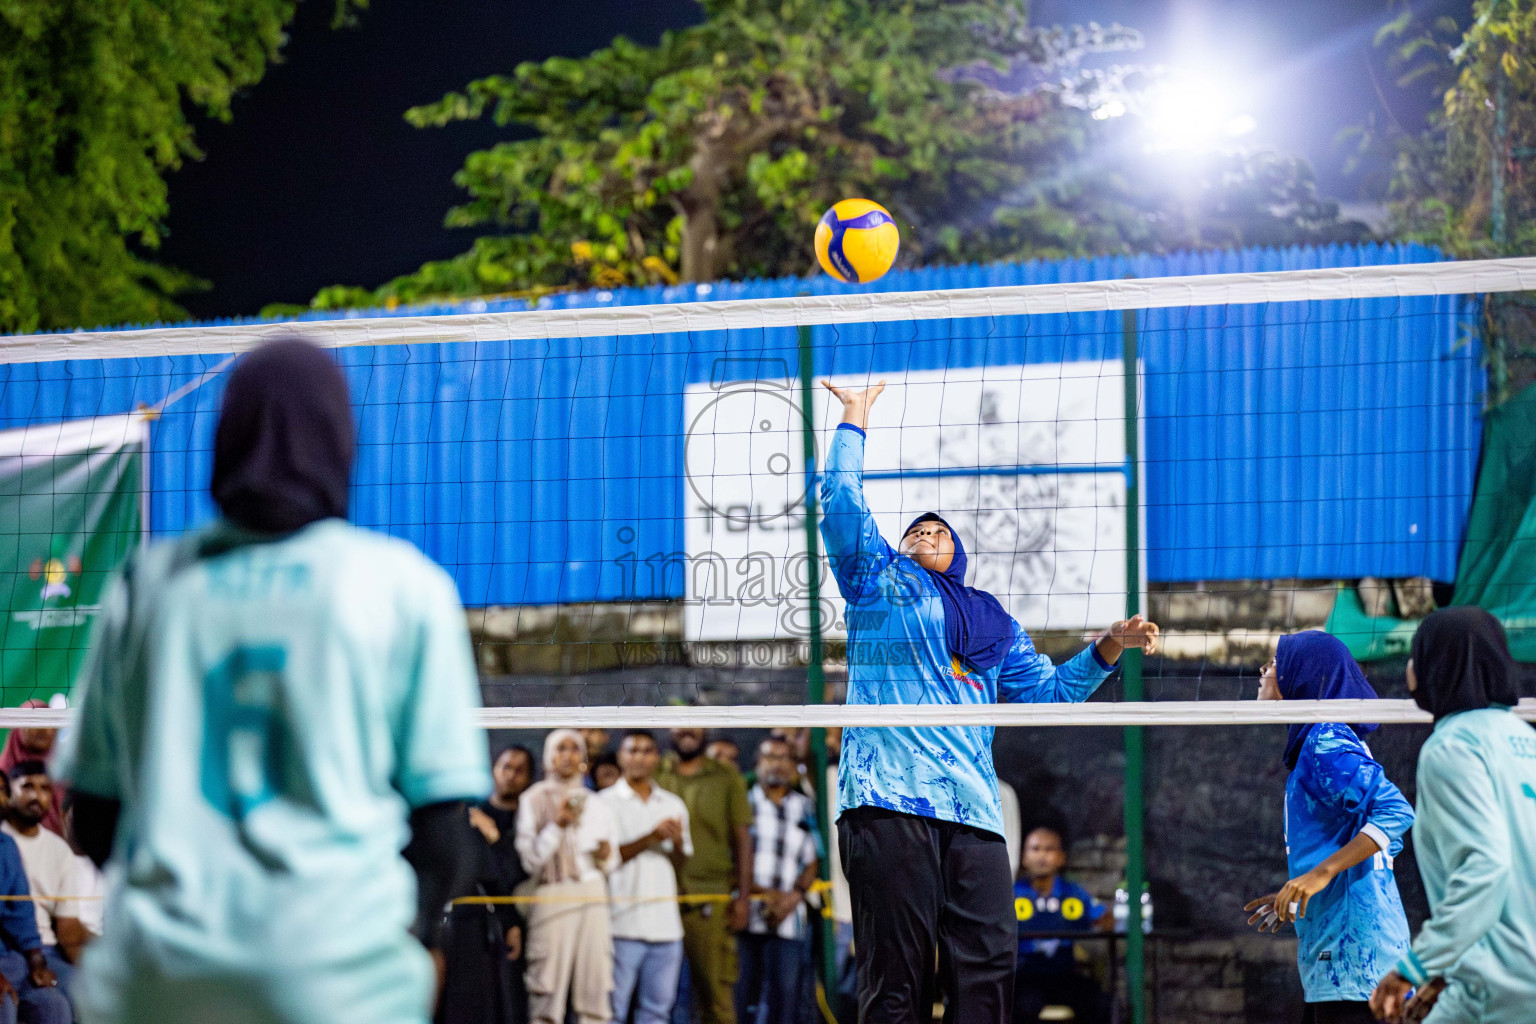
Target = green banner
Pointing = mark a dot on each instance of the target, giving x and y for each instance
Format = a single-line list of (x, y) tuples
[(1497, 570), (71, 509)]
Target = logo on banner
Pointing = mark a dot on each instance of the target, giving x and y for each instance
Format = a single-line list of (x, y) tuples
[(55, 574)]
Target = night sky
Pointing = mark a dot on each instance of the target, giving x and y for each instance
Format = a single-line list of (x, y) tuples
[(318, 179)]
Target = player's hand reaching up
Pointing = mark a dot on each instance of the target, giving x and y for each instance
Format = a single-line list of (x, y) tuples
[(856, 401), (1137, 631)]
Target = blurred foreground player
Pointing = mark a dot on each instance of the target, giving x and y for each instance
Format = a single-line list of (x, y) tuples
[(267, 703), (1474, 960)]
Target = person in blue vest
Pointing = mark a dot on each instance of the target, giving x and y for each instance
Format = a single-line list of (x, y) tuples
[(1044, 901), (1344, 822), (1474, 961), (920, 825)]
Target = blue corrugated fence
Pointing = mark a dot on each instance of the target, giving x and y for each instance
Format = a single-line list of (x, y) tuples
[(1312, 440)]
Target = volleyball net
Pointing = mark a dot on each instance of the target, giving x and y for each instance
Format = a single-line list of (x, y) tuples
[(626, 493)]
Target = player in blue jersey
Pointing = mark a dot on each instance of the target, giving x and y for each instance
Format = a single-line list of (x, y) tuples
[(1344, 822), (272, 707), (920, 824), (1474, 960)]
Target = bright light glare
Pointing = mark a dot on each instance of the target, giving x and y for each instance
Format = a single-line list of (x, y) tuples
[(1193, 115), (1114, 108)]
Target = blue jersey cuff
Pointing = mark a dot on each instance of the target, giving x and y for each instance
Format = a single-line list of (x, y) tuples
[(1099, 658), (850, 426), (1412, 969)]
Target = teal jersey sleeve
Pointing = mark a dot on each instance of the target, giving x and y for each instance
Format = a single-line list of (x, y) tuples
[(1457, 800), (440, 752)]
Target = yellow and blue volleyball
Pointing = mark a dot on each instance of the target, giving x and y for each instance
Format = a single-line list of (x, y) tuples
[(856, 241)]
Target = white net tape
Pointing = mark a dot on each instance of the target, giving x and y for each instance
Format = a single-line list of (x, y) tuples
[(1375, 282), (1109, 713)]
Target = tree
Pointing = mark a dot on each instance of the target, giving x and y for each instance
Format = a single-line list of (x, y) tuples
[(92, 116), (713, 153), (1460, 182), (1466, 181)]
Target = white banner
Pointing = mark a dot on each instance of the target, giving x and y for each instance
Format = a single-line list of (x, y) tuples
[(1050, 545)]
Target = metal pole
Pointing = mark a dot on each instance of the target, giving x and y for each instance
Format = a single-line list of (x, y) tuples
[(815, 678), (1130, 662), (1500, 154)]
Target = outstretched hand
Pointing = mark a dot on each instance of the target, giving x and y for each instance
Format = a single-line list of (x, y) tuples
[(856, 401), (1136, 631)]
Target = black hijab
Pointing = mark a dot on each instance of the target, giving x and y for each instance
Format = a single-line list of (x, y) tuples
[(1462, 663), (282, 455)]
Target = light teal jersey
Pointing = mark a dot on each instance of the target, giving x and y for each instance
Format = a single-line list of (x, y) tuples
[(1475, 838), (268, 713)]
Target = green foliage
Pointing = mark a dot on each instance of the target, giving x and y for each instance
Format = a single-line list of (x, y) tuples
[(91, 118), (1474, 165), (714, 153), (1442, 183)]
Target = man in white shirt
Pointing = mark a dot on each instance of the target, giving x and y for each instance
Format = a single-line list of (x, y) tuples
[(50, 867), (652, 827)]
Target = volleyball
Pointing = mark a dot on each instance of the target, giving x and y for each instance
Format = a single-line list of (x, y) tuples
[(856, 241)]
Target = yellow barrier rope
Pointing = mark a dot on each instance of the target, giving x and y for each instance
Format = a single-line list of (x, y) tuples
[(686, 899)]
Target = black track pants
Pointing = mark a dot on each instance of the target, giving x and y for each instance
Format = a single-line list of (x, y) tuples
[(923, 891)]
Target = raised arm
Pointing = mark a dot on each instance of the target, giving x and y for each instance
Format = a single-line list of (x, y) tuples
[(855, 548)]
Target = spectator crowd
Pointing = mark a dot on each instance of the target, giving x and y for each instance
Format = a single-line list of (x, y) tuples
[(656, 887), (669, 887), (50, 906)]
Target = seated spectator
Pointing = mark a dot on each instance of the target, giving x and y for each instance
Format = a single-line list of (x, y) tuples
[(28, 988), (1047, 972), (483, 944), (604, 772), (50, 867), (783, 871), (652, 829), (35, 745), (723, 749)]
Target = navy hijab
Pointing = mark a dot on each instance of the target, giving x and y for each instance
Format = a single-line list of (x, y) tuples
[(1317, 666), (976, 628)]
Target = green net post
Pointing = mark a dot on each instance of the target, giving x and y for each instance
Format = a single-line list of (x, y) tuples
[(1130, 662), (815, 678)]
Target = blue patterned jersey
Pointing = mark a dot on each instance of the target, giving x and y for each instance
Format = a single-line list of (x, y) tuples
[(897, 655), (1355, 929)]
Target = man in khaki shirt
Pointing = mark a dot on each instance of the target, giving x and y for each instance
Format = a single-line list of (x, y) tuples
[(720, 820)]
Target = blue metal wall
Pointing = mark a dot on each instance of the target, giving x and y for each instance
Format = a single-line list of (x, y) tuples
[(1314, 440)]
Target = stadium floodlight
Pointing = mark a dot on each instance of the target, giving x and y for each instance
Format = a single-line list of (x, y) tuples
[(1192, 114)]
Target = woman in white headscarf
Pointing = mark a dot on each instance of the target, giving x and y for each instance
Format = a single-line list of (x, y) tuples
[(567, 843)]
